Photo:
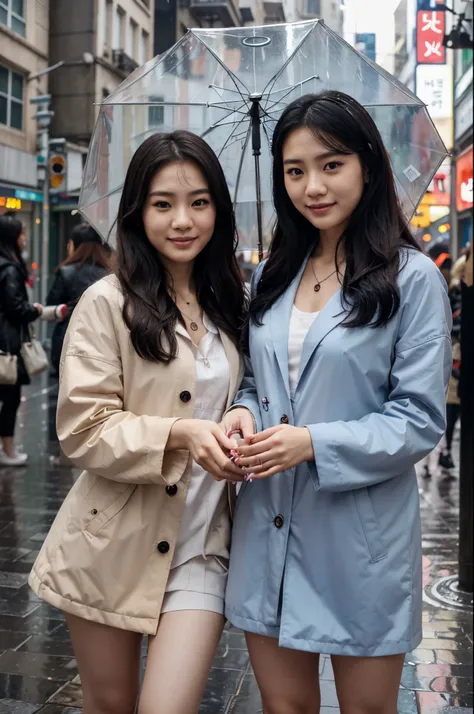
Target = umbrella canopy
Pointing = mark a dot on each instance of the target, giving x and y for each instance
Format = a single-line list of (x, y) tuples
[(230, 86)]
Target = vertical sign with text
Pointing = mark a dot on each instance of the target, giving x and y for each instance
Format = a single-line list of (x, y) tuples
[(430, 31)]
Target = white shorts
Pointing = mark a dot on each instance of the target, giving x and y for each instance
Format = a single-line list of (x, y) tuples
[(198, 584)]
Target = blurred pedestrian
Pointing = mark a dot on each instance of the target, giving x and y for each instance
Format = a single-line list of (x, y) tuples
[(16, 315), (441, 256), (88, 260), (349, 346), (150, 362), (453, 403)]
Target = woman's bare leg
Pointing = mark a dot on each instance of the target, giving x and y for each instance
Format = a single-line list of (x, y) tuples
[(179, 660), (109, 666), (368, 685), (288, 680)]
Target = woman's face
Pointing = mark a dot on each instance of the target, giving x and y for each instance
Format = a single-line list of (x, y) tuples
[(179, 214), (21, 242), (324, 186)]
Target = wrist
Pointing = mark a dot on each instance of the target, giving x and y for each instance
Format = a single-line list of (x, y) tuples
[(177, 438)]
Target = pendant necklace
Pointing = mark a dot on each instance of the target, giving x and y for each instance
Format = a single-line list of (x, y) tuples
[(192, 323), (317, 286)]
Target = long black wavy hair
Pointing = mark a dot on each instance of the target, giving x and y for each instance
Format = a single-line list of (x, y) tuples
[(376, 231), (11, 229), (149, 311)]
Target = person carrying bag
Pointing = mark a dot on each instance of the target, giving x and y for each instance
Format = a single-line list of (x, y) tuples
[(19, 354)]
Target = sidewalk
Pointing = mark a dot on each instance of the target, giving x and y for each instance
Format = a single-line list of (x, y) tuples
[(38, 673)]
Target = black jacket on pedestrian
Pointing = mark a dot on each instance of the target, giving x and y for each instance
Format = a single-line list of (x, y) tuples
[(16, 313), (70, 282)]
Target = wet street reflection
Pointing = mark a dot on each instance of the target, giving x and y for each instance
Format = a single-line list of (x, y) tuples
[(38, 672)]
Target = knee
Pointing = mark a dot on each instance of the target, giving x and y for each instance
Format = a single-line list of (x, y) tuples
[(370, 708), (282, 706), (110, 702)]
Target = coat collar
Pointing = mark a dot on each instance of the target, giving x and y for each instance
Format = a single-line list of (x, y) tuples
[(330, 317), (232, 354)]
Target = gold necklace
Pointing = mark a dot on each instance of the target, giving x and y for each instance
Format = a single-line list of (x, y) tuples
[(317, 286)]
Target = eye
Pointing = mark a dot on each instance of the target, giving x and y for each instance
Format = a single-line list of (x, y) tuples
[(332, 165), (162, 204), (294, 172), (201, 202)]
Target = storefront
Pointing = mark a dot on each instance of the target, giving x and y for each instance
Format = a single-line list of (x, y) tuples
[(26, 205), (464, 190)]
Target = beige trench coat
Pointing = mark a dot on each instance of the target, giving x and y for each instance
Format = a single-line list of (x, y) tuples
[(109, 550)]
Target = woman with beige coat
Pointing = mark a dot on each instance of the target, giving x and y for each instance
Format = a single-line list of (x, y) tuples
[(149, 365)]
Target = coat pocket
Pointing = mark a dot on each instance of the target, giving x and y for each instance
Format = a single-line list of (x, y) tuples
[(100, 517), (370, 525)]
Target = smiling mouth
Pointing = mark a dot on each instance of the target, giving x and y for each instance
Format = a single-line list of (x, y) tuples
[(321, 206)]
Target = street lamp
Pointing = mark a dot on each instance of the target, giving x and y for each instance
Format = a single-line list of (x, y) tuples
[(43, 118)]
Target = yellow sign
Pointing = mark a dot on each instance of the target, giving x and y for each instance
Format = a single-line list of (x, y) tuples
[(10, 203)]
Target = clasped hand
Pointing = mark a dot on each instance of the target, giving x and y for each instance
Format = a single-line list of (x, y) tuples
[(274, 450)]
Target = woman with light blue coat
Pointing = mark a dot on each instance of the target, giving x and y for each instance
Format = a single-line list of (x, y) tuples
[(348, 362)]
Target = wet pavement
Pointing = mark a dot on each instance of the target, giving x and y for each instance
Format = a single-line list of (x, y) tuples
[(38, 672)]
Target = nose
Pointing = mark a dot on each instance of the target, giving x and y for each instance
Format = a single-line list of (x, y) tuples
[(316, 185), (182, 220)]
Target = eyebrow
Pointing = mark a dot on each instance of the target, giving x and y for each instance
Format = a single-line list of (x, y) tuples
[(326, 155), (170, 193)]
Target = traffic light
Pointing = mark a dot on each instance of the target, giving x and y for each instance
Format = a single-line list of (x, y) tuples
[(57, 165)]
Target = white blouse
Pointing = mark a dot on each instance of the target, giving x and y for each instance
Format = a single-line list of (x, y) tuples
[(300, 324), (204, 493)]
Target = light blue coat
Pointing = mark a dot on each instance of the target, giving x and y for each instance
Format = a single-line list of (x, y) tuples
[(343, 574)]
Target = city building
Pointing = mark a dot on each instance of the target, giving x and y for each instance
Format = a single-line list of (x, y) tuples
[(99, 43), (23, 54), (328, 10), (173, 18), (462, 184)]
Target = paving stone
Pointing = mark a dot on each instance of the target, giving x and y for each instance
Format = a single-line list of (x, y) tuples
[(10, 706)]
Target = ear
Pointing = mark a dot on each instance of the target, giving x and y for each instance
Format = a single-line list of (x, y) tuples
[(366, 175)]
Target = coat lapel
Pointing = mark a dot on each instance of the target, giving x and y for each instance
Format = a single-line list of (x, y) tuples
[(332, 314), (280, 315)]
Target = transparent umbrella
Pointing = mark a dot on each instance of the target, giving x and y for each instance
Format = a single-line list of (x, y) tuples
[(230, 86)]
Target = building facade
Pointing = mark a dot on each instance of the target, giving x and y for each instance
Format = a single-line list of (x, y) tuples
[(462, 183), (23, 53), (99, 42)]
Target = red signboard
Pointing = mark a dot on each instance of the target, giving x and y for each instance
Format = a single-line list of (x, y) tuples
[(430, 31), (464, 181)]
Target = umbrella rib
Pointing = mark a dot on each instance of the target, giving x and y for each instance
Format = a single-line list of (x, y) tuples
[(273, 81), (231, 135), (241, 164), (233, 77), (289, 90)]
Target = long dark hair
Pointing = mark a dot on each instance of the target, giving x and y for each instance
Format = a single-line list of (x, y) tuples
[(88, 248), (149, 311), (377, 228), (10, 230)]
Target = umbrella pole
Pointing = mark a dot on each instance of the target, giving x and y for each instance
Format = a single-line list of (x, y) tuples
[(256, 148), (259, 207)]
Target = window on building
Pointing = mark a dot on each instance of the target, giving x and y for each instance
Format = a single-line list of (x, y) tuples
[(131, 44), (11, 98), (12, 14), (156, 114), (119, 27), (108, 22), (313, 7), (143, 53)]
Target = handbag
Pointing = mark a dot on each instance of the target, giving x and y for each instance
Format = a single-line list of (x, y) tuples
[(33, 356), (8, 368)]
